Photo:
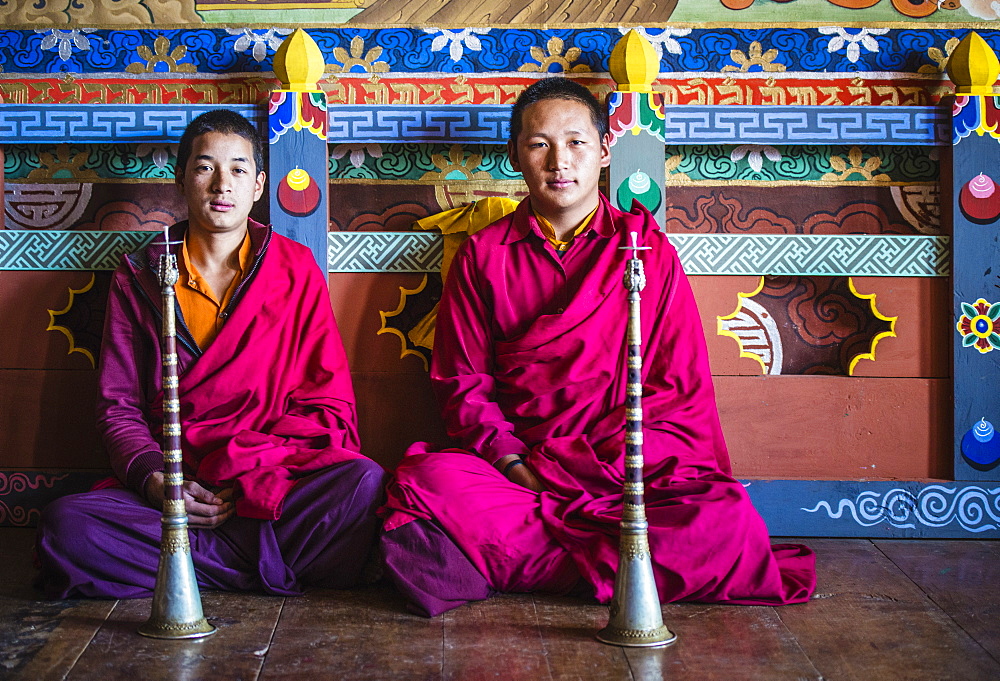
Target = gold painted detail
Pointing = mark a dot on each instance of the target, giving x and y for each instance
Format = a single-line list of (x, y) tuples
[(633, 390), (298, 62), (174, 507), (170, 383), (171, 406), (159, 55), (723, 331), (404, 293), (62, 166), (173, 478), (555, 55), (891, 333), (673, 163), (458, 166), (172, 429), (855, 164), (636, 549), (357, 57), (633, 413), (640, 633), (177, 627), (633, 438), (65, 330), (634, 63), (973, 66), (170, 359), (633, 488), (634, 461), (755, 56), (939, 57)]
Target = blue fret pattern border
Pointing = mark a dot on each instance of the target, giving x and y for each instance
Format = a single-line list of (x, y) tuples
[(487, 124), (897, 125), (855, 255), (102, 123), (359, 124)]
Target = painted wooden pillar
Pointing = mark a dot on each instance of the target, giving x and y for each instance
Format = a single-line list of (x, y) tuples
[(635, 115), (297, 133), (974, 69), (3, 201)]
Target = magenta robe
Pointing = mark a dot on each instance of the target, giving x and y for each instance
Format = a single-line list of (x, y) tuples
[(269, 401), (529, 358)]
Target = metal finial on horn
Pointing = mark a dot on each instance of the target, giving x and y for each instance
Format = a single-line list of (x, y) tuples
[(176, 611), (636, 619)]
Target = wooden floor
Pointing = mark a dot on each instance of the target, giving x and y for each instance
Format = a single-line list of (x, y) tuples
[(883, 610)]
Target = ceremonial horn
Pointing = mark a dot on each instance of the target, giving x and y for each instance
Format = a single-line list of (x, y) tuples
[(176, 611), (636, 619)]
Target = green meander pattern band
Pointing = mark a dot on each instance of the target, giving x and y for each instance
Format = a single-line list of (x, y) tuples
[(854, 255)]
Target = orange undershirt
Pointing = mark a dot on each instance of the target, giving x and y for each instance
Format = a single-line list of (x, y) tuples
[(550, 232), (201, 309)]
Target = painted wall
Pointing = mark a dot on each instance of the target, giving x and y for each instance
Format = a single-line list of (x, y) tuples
[(818, 377)]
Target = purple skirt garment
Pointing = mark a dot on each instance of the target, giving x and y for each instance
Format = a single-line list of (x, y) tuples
[(106, 543)]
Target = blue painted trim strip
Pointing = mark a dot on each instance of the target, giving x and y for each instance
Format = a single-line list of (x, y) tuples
[(895, 125), (360, 124), (702, 254), (886, 509), (105, 123), (486, 124)]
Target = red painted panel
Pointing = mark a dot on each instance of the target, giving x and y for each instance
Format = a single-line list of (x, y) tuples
[(836, 427)]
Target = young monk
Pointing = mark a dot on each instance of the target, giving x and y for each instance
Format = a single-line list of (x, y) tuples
[(277, 494), (529, 367)]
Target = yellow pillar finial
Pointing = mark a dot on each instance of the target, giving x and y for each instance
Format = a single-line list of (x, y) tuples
[(973, 66), (634, 63), (299, 63)]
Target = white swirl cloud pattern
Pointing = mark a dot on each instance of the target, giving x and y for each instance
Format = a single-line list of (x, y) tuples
[(975, 509)]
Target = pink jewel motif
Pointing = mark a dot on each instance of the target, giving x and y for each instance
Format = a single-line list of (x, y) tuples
[(982, 187)]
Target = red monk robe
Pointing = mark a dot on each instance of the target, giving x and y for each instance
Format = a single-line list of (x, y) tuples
[(529, 359)]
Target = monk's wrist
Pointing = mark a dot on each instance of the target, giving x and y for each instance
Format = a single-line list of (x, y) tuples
[(504, 464), (509, 466)]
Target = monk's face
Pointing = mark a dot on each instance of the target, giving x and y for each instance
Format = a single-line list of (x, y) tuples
[(560, 153), (220, 182)]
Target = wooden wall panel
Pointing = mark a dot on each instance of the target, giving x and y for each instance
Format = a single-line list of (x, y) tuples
[(920, 349), (836, 427), (717, 297), (47, 419), (922, 346), (25, 298), (395, 410), (357, 299)]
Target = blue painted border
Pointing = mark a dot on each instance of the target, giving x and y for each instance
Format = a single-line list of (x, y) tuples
[(910, 509), (486, 124), (106, 123)]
